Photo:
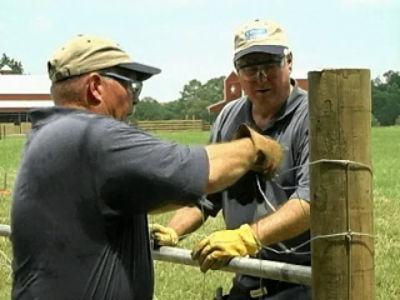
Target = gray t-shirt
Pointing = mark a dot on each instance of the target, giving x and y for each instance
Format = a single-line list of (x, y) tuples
[(253, 197), (79, 223)]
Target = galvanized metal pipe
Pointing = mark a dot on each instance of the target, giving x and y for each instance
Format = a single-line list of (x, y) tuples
[(250, 266), (5, 230)]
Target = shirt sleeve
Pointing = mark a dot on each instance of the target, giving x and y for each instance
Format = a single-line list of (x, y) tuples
[(137, 172), (302, 161), (211, 204)]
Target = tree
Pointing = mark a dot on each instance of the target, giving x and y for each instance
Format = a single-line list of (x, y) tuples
[(392, 77), (386, 98), (148, 109), (195, 97), (173, 110), (16, 66)]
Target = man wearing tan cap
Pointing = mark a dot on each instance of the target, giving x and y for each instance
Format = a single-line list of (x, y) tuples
[(267, 218), (87, 180)]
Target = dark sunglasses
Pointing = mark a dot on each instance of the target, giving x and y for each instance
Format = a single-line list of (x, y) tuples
[(133, 86)]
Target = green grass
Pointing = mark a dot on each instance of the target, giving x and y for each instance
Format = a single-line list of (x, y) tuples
[(183, 282), (10, 155), (186, 137), (386, 166)]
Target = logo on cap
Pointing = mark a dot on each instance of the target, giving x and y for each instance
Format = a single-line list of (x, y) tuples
[(256, 34)]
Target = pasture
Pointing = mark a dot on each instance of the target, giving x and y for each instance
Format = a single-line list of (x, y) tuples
[(183, 282)]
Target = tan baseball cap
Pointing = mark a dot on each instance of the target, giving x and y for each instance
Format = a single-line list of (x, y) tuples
[(87, 53), (260, 36)]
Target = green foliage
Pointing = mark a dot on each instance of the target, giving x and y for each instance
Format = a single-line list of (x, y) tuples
[(16, 66), (397, 122), (149, 109), (195, 97), (192, 104), (374, 121), (386, 98)]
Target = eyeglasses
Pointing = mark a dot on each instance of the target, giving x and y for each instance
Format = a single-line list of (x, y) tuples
[(269, 69), (133, 86)]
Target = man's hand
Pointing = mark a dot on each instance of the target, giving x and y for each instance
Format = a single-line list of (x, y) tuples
[(216, 250), (163, 236), (269, 152)]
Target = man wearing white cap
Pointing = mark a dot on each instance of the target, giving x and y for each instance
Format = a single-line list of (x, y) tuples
[(267, 218), (87, 180)]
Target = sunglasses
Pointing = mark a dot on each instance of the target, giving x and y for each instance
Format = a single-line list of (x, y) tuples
[(133, 86), (269, 69)]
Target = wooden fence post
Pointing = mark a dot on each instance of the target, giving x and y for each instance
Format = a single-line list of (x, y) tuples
[(341, 185)]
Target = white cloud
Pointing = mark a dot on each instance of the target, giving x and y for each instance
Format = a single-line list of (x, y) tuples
[(370, 2), (3, 27), (184, 2), (42, 22), (172, 3)]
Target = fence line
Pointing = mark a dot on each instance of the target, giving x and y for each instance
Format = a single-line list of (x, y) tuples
[(250, 266), (10, 129), (173, 125)]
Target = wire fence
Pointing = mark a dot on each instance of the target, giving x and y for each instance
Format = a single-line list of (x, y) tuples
[(243, 265)]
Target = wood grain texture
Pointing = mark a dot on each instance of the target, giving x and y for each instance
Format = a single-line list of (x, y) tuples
[(340, 129)]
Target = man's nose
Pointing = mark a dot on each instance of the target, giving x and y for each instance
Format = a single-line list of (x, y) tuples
[(262, 71)]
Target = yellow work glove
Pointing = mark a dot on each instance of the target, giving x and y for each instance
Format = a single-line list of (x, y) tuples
[(269, 152), (216, 250), (163, 236)]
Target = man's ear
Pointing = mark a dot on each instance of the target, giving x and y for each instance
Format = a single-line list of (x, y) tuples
[(289, 59), (95, 90)]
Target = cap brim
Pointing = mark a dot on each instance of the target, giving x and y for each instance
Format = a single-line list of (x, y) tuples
[(143, 71), (271, 49)]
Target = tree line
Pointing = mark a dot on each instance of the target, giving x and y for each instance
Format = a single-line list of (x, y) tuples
[(195, 97)]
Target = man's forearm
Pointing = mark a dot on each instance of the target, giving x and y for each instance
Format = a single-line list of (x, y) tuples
[(186, 220), (290, 220), (228, 162)]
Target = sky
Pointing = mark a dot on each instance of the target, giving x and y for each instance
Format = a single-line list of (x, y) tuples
[(193, 39)]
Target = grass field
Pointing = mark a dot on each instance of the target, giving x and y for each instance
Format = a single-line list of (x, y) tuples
[(183, 282)]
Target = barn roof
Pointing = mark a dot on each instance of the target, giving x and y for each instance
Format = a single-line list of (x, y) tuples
[(24, 84), (25, 103)]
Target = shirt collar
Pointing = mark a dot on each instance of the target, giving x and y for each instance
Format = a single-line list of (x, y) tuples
[(42, 116)]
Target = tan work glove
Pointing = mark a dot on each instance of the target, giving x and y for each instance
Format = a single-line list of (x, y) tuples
[(163, 236), (216, 250), (269, 152)]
